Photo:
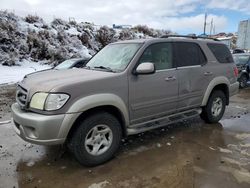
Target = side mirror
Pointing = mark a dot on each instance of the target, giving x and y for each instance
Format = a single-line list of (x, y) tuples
[(145, 68)]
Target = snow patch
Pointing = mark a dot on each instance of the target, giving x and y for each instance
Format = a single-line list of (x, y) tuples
[(223, 150), (99, 185), (30, 163), (242, 136), (13, 74), (72, 31), (5, 122)]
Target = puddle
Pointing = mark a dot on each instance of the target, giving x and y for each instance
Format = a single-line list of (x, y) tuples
[(242, 175), (241, 124)]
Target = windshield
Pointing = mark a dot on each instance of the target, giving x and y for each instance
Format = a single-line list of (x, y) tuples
[(241, 59), (65, 64), (114, 57)]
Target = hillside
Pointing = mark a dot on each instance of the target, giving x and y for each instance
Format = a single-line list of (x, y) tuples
[(30, 38)]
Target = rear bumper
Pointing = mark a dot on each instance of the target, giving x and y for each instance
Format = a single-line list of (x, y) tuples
[(37, 128), (233, 89)]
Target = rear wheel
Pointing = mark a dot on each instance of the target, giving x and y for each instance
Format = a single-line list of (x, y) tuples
[(243, 81), (96, 140), (215, 107)]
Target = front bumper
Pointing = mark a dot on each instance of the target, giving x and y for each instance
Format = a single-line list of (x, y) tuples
[(37, 128), (233, 89)]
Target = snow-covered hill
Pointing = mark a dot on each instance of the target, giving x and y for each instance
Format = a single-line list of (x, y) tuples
[(31, 39)]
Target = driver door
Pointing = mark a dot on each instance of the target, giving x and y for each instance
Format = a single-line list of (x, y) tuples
[(154, 95)]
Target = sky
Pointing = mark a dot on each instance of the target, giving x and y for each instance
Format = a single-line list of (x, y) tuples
[(181, 16)]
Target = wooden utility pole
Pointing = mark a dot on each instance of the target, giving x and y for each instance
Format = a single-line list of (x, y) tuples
[(205, 23), (211, 27)]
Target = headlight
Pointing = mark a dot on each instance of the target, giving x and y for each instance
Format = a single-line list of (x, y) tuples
[(38, 100), (55, 101), (48, 101)]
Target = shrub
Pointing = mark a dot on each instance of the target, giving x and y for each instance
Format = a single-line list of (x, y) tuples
[(144, 29), (126, 34), (105, 36), (32, 19)]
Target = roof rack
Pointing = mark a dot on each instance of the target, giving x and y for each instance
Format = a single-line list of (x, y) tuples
[(189, 36)]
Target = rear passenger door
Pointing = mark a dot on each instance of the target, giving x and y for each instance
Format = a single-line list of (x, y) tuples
[(192, 73)]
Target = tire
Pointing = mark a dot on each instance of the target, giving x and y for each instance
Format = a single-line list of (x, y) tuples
[(209, 114), (243, 81), (82, 142)]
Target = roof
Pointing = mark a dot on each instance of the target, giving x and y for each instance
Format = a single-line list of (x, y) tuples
[(174, 38)]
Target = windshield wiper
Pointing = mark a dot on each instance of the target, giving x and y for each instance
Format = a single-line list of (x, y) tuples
[(105, 68)]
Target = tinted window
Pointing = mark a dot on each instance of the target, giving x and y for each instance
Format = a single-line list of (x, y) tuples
[(160, 54), (188, 54), (221, 52)]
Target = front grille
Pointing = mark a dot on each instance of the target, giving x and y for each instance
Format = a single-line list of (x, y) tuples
[(21, 96)]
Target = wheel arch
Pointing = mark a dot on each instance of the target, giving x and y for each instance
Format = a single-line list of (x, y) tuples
[(219, 83), (107, 108), (93, 104)]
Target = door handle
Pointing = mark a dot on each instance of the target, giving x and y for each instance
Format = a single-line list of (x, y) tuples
[(208, 73), (170, 78)]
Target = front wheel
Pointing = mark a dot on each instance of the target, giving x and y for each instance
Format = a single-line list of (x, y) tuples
[(96, 140), (215, 108)]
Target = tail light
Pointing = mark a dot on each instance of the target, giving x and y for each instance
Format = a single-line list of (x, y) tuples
[(236, 71)]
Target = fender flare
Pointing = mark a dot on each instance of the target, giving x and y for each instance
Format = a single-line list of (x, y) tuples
[(90, 102), (213, 83)]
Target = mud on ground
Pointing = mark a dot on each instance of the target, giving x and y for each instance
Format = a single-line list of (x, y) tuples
[(7, 97), (187, 154)]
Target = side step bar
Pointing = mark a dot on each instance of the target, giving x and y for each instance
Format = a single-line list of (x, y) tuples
[(162, 121)]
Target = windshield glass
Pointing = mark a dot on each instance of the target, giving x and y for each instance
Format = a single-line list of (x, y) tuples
[(114, 57), (65, 64), (241, 59)]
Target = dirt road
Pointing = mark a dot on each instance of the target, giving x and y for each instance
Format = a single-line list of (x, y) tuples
[(188, 154)]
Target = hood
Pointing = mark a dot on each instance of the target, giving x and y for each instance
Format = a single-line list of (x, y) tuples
[(50, 79)]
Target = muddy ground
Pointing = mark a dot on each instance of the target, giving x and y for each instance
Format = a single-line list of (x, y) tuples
[(187, 154), (7, 97)]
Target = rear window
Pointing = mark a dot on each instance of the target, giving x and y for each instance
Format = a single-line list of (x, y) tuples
[(221, 52)]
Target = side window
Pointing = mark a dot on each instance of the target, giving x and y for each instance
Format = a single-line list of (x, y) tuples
[(188, 54), (160, 54), (80, 64), (221, 52)]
